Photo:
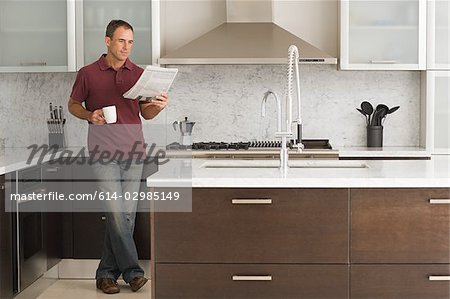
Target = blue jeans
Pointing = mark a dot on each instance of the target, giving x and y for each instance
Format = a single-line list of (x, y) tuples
[(119, 250)]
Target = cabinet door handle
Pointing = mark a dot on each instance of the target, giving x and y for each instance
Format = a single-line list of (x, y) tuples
[(383, 61), (33, 63), (2, 187), (435, 201), (103, 218), (252, 277), (251, 201), (439, 277), (41, 190)]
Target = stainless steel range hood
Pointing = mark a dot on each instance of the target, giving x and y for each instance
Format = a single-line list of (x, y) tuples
[(242, 41)]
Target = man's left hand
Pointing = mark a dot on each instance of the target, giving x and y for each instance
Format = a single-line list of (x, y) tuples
[(150, 109)]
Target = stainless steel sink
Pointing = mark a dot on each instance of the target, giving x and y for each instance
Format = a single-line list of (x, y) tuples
[(292, 164)]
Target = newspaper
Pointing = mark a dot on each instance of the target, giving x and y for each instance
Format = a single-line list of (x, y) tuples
[(153, 81)]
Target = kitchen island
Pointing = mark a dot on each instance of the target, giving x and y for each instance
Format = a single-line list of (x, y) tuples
[(205, 173), (365, 229)]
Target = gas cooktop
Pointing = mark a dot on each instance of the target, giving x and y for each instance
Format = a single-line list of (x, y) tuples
[(310, 144)]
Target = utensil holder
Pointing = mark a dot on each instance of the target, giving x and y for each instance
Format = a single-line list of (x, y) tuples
[(374, 136), (56, 139)]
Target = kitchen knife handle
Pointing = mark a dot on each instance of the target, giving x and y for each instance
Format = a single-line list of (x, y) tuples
[(434, 201), (438, 278), (251, 201), (252, 277)]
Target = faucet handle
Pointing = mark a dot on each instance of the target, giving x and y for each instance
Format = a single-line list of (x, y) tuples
[(298, 146)]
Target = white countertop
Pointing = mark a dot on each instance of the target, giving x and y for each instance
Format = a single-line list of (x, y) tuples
[(377, 174), (12, 159), (380, 173), (383, 152), (16, 158)]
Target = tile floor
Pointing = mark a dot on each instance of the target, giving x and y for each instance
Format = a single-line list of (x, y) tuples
[(85, 289)]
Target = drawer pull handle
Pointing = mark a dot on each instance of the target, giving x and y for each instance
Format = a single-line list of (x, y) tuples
[(53, 169), (438, 277), (103, 218), (439, 201), (252, 277), (251, 201), (383, 61)]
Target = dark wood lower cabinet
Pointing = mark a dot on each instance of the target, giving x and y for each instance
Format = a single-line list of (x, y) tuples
[(89, 233), (57, 178), (233, 226), (400, 226), (399, 238), (6, 256), (53, 230), (399, 282), (294, 241), (206, 281)]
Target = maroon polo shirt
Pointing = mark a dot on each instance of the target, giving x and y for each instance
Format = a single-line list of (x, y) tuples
[(99, 85)]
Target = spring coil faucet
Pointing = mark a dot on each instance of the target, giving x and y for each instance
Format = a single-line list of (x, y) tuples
[(293, 58)]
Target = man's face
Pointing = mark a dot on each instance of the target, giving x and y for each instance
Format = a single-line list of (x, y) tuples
[(119, 46)]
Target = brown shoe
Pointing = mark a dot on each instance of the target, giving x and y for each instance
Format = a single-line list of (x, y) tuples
[(108, 285), (137, 283)]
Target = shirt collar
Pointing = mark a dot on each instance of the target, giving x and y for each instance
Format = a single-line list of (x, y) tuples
[(103, 64)]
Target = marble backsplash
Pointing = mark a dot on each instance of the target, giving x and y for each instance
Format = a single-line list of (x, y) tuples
[(225, 103)]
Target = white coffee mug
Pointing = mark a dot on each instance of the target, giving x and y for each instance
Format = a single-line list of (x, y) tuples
[(110, 115)]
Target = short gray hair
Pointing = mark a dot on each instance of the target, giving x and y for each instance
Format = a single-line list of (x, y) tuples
[(114, 24)]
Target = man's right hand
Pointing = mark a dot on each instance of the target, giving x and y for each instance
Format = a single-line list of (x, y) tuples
[(79, 111), (97, 118)]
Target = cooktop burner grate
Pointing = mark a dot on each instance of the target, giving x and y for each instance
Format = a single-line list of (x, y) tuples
[(309, 144)]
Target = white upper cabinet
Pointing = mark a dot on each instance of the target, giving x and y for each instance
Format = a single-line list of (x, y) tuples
[(64, 35), (94, 15), (438, 101), (438, 35), (383, 35), (37, 36)]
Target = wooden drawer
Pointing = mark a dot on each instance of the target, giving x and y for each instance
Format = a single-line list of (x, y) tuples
[(398, 282), (399, 226), (299, 226), (196, 281)]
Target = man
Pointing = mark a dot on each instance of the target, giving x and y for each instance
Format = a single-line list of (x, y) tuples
[(102, 84)]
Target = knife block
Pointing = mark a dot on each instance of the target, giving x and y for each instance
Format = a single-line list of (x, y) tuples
[(56, 139), (374, 136)]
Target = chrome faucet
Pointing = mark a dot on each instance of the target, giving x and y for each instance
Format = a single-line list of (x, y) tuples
[(293, 58), (263, 107)]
